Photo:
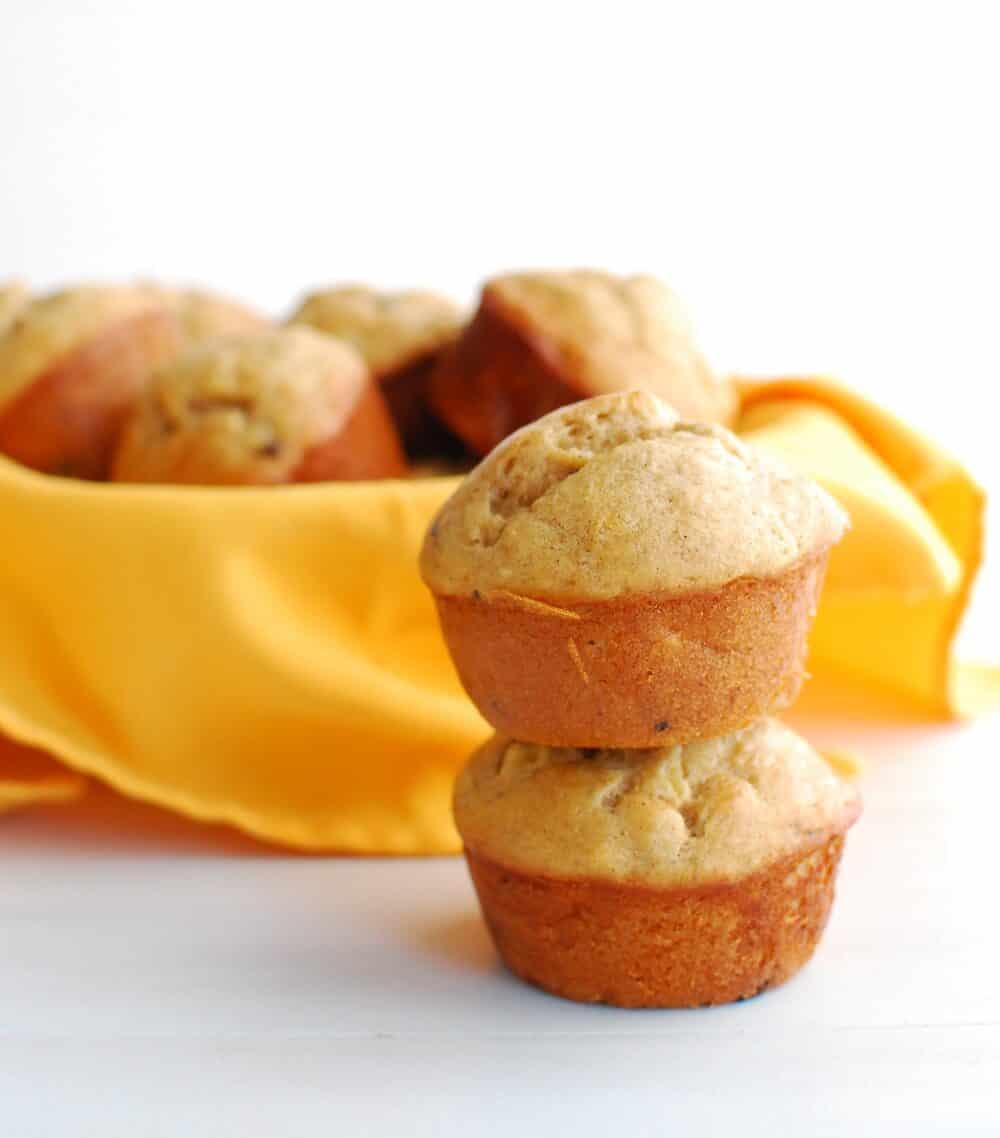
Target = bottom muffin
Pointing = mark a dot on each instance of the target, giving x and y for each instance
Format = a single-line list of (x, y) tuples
[(677, 877)]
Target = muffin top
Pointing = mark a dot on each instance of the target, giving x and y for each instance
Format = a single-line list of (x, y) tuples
[(610, 332), (51, 326), (204, 315), (241, 410), (391, 330), (617, 495), (14, 295), (717, 809)]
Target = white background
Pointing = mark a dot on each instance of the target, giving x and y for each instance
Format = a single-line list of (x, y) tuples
[(821, 182)]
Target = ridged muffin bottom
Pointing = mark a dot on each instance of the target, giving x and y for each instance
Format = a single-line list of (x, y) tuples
[(648, 670), (639, 946)]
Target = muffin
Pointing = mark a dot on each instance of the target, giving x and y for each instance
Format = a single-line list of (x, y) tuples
[(14, 295), (400, 335), (671, 877), (288, 405), (541, 340), (613, 576), (71, 365), (204, 315)]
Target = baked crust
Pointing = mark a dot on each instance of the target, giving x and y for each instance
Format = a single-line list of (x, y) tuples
[(494, 379), (206, 315), (645, 670), (67, 420), (712, 809), (279, 406), (635, 946), (367, 446), (405, 392), (391, 330), (523, 356), (14, 296), (616, 496), (400, 335)]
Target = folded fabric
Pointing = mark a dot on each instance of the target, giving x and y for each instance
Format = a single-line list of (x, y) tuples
[(899, 581), (269, 657), (28, 776)]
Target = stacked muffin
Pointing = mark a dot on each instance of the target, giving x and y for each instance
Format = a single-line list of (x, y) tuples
[(626, 597)]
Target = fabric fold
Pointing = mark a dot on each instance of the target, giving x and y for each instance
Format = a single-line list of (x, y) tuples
[(269, 657)]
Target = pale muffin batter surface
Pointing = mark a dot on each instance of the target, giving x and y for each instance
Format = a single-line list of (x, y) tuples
[(50, 327), (242, 409), (616, 495), (389, 329), (716, 809), (603, 327)]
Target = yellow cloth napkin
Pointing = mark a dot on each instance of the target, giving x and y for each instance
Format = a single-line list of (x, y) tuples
[(898, 583), (270, 658)]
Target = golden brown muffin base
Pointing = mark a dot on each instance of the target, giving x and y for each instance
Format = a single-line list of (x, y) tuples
[(640, 946), (67, 420), (649, 670), (496, 377), (367, 446)]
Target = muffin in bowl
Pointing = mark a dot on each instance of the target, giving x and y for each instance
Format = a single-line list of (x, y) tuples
[(204, 315), (280, 406), (671, 877), (614, 576), (400, 335), (14, 295), (543, 339), (72, 364)]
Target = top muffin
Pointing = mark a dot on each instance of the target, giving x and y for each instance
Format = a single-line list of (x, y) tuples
[(391, 330), (618, 495)]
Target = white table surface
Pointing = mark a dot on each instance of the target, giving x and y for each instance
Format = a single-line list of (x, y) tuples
[(160, 979)]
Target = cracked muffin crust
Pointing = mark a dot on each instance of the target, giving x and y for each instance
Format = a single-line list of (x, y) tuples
[(71, 366), (204, 315), (618, 495), (288, 405), (672, 877), (400, 335), (391, 330), (541, 340), (611, 576), (706, 811)]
